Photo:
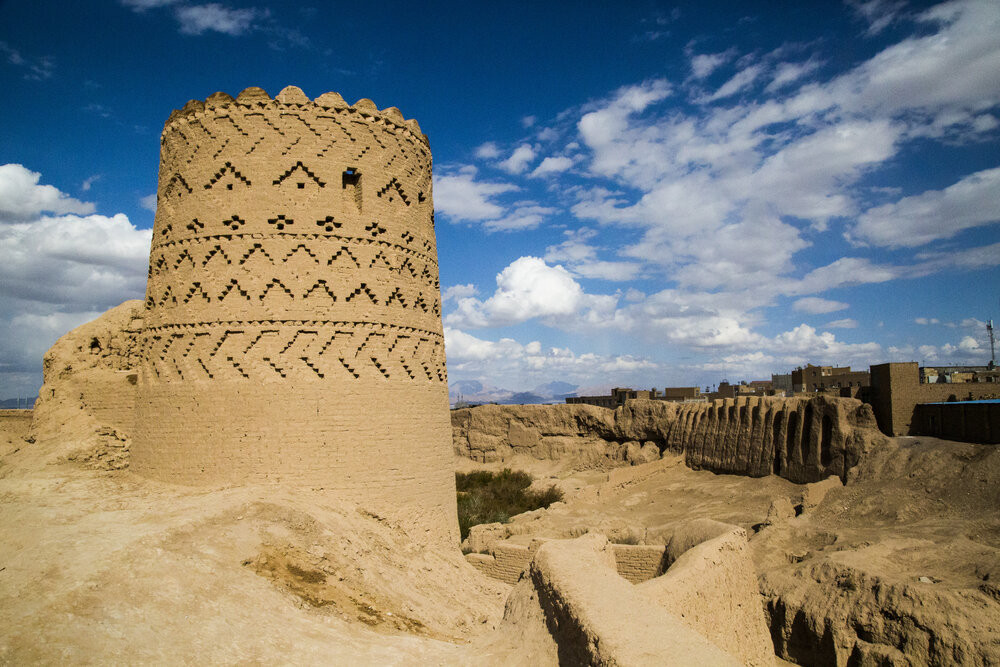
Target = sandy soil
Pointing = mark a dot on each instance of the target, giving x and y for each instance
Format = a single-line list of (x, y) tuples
[(101, 565)]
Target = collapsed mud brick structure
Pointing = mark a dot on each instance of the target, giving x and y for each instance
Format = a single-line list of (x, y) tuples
[(292, 326)]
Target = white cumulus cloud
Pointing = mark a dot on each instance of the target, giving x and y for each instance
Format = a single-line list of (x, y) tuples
[(528, 288), (519, 160), (463, 198), (552, 165), (936, 214), (23, 198)]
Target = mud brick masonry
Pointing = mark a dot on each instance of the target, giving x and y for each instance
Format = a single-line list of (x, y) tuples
[(292, 326)]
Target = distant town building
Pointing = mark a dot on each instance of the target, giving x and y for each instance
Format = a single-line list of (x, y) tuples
[(682, 394), (744, 389), (958, 374), (896, 391), (825, 378), (782, 382), (621, 394), (618, 397), (724, 390)]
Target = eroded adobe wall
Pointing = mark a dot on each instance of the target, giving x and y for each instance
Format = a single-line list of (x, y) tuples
[(496, 432), (14, 426), (293, 326), (88, 393), (94, 364), (507, 561), (571, 591), (803, 440)]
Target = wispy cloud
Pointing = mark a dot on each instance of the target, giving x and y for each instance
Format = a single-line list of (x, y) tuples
[(878, 14), (917, 220), (703, 64), (89, 182), (519, 160), (36, 68), (143, 5), (817, 306), (213, 17)]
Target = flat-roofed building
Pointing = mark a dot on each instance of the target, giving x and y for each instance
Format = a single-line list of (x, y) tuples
[(823, 378)]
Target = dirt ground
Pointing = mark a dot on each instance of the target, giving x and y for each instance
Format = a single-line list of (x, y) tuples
[(100, 565), (900, 566), (104, 566)]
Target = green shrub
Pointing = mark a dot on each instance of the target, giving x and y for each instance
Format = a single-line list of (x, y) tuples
[(487, 497)]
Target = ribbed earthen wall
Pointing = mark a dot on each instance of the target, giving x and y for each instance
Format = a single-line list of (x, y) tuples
[(292, 326), (801, 439)]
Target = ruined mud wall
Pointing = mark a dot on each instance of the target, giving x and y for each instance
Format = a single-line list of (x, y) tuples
[(592, 616), (496, 432), (803, 440), (507, 561), (292, 315), (964, 421), (89, 382)]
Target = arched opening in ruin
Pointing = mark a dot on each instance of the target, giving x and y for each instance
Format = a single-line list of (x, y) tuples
[(792, 433), (804, 441), (776, 442), (826, 442)]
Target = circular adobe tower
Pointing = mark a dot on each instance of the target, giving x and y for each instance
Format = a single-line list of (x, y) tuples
[(293, 323)]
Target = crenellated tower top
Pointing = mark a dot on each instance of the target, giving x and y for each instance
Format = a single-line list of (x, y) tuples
[(293, 97)]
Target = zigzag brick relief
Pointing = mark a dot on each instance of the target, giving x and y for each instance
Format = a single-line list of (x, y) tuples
[(310, 350), (390, 258)]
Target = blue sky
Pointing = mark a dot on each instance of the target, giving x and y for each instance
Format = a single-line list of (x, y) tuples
[(637, 193)]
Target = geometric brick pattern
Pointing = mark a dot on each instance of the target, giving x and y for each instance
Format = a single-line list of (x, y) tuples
[(301, 350)]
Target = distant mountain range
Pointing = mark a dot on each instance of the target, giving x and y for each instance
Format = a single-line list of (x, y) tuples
[(473, 391)]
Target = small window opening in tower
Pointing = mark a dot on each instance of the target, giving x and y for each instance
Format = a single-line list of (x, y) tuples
[(352, 178)]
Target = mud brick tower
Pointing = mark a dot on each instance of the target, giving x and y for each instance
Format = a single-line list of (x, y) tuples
[(293, 324)]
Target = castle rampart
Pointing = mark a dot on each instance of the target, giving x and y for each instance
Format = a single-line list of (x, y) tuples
[(292, 315)]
